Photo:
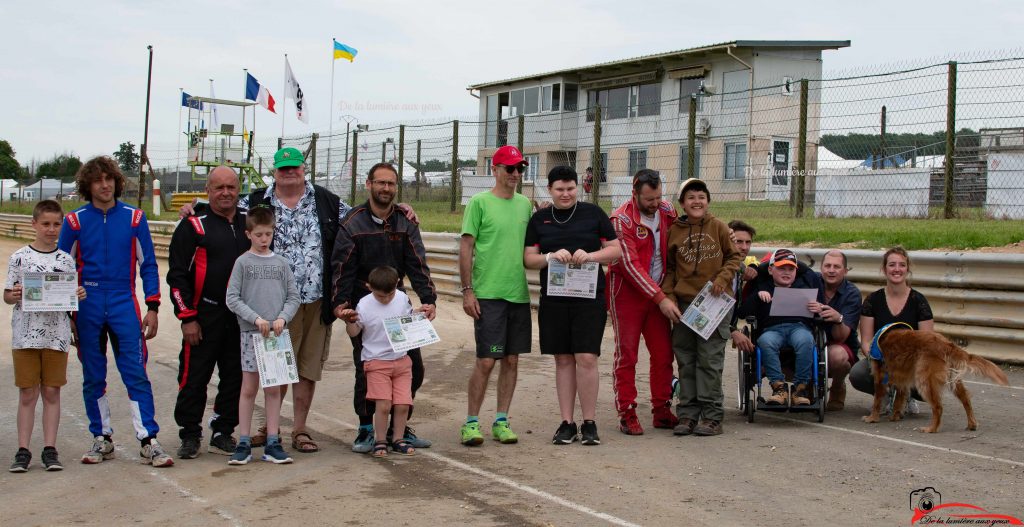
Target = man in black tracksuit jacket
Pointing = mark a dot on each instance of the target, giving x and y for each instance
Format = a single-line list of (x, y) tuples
[(202, 253), (371, 235)]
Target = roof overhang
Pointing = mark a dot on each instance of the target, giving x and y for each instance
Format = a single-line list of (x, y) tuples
[(647, 61)]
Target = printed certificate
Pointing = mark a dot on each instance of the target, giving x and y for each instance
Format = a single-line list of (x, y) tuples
[(706, 312), (573, 280), (275, 359), (408, 332), (49, 292)]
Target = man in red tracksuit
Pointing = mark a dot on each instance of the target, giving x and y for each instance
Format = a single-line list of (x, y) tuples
[(634, 291)]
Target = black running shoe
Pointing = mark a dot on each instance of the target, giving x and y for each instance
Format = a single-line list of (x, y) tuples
[(566, 434), (222, 444), (588, 434), (21, 460), (189, 448), (50, 460)]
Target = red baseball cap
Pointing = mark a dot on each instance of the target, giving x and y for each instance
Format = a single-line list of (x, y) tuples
[(509, 156)]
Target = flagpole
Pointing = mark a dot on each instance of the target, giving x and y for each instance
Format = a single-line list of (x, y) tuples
[(285, 97), (177, 159), (330, 129)]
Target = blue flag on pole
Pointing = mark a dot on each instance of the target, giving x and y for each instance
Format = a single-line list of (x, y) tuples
[(190, 104)]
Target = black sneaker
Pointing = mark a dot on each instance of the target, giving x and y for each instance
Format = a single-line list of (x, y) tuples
[(189, 448), (21, 460), (222, 444), (588, 433), (566, 434), (50, 460)]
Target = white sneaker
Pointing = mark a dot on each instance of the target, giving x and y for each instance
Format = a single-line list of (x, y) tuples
[(102, 449), (153, 454), (913, 407)]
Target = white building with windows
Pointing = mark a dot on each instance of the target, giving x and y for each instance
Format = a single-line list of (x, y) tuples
[(745, 144)]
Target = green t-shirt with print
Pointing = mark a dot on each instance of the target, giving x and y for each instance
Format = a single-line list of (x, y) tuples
[(498, 226)]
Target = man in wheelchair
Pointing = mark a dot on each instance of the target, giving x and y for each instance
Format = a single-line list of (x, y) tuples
[(777, 332)]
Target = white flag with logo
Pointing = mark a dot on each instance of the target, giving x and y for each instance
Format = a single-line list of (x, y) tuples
[(295, 92)]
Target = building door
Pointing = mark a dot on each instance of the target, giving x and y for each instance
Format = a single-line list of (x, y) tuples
[(778, 184)]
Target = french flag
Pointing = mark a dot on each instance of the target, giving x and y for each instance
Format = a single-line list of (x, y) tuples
[(254, 91)]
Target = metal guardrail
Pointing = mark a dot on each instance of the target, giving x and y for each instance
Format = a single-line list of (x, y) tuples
[(977, 298)]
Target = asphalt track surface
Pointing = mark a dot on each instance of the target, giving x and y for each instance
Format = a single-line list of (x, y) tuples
[(784, 469)]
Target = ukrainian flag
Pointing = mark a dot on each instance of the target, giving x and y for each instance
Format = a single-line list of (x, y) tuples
[(342, 51)]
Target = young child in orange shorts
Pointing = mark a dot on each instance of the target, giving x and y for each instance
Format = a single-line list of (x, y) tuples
[(388, 372), (39, 339)]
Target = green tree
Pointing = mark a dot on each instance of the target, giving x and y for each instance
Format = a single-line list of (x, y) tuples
[(62, 167), (127, 158), (9, 167)]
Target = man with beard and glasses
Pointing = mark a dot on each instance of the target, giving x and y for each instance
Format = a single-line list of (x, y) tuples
[(634, 292), (372, 235)]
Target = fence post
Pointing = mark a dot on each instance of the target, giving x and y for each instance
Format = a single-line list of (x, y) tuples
[(383, 151), (947, 208), (419, 167), (355, 159), (312, 157), (401, 159), (801, 153), (520, 143), (691, 140), (455, 166), (280, 143), (596, 161)]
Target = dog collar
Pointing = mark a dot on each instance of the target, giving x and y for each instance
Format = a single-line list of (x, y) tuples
[(876, 351)]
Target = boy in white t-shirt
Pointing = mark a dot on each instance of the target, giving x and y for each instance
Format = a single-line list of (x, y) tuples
[(39, 340), (388, 372)]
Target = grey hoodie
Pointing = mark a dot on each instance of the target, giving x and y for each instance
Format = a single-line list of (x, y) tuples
[(261, 287)]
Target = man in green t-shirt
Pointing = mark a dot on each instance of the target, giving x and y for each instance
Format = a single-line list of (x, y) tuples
[(494, 289)]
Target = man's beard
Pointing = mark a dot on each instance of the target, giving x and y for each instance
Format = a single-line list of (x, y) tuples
[(379, 199)]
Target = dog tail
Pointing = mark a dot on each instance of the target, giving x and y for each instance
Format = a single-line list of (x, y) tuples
[(984, 367)]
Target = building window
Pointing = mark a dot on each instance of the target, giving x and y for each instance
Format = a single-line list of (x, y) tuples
[(625, 101), (684, 164), (534, 167), (491, 134), (550, 97), (688, 87), (735, 89), (735, 160), (572, 93), (637, 160)]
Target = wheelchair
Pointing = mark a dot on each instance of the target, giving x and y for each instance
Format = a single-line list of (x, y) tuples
[(751, 375)]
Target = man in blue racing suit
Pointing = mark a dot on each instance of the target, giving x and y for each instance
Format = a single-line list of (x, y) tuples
[(109, 240)]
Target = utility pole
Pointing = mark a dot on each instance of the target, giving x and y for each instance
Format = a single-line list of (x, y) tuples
[(144, 158)]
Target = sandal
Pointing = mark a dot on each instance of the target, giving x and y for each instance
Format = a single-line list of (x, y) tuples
[(307, 445), (404, 447), (260, 437), (380, 449)]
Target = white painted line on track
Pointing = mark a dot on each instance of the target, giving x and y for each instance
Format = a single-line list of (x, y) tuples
[(583, 509), (901, 441), (995, 385), (160, 475)]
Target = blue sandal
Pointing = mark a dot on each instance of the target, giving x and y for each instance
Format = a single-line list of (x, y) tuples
[(404, 447), (380, 449)]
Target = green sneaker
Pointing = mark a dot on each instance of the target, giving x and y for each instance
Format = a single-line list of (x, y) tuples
[(501, 432), (471, 435)]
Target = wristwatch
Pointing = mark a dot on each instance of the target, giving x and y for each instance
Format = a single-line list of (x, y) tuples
[(840, 319)]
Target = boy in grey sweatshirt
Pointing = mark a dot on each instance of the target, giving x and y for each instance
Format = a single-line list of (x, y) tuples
[(262, 293)]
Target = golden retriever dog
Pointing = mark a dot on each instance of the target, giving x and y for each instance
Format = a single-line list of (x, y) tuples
[(927, 361)]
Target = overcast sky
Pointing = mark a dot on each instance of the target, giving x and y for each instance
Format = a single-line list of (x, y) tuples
[(73, 74)]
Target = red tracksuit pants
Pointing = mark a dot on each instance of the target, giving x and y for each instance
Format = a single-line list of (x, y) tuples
[(633, 316)]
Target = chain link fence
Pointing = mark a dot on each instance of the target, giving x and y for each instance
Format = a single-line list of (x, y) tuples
[(938, 140)]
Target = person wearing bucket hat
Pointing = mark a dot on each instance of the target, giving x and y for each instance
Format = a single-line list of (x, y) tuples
[(699, 251)]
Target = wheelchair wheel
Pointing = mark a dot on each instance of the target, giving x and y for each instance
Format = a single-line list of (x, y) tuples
[(741, 383), (822, 373)]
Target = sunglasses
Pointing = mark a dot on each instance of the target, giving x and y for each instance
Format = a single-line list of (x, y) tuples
[(647, 178), (511, 169)]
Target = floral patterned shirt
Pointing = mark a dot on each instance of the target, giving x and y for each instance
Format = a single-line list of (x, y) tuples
[(297, 239), (38, 329)]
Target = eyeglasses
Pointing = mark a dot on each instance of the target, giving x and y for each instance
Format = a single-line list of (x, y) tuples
[(380, 183), (647, 178), (510, 169)]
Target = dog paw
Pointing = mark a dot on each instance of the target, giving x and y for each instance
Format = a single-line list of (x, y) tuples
[(972, 426), (870, 418), (896, 416), (927, 429)]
